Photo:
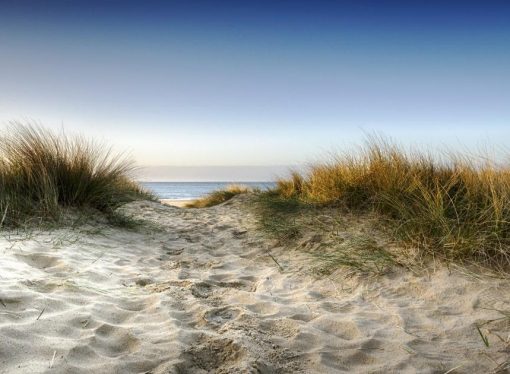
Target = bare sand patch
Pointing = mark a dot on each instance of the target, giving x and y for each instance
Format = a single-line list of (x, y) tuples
[(178, 203)]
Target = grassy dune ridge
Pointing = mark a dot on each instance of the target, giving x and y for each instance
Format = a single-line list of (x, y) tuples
[(219, 196), (457, 208), (42, 172)]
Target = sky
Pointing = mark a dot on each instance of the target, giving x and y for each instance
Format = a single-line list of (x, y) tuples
[(261, 83)]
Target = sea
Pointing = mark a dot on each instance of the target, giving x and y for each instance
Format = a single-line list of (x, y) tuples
[(195, 190)]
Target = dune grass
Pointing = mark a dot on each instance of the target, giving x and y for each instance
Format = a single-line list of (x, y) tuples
[(333, 237), (42, 172), (455, 208), (219, 196)]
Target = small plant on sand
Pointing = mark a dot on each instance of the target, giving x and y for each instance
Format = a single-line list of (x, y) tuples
[(218, 197), (42, 172), (456, 208), (504, 320)]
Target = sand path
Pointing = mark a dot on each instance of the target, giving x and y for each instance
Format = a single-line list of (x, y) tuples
[(205, 294)]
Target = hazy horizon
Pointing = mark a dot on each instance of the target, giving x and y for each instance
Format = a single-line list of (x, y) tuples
[(241, 173)]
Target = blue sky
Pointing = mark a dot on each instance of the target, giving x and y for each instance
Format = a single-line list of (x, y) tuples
[(258, 82)]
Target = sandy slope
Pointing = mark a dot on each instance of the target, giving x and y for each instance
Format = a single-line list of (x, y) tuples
[(203, 295)]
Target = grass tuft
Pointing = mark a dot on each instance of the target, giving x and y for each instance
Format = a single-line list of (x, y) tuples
[(456, 208), (42, 172), (218, 197)]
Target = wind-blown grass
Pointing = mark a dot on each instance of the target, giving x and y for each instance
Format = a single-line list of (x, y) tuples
[(456, 208), (42, 172), (218, 197)]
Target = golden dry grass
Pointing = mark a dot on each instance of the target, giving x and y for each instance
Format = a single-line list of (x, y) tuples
[(457, 208), (41, 172)]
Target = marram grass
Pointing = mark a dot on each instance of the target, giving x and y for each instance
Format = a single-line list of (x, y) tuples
[(42, 172), (219, 196), (456, 208)]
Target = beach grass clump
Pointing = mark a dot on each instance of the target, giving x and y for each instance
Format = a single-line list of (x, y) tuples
[(42, 172), (219, 196), (455, 206)]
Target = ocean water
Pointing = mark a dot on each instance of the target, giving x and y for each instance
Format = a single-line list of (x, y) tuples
[(194, 190)]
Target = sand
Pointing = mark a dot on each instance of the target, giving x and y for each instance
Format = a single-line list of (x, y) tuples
[(198, 292), (180, 203)]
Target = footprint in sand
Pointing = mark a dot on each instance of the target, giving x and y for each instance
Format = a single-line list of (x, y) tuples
[(172, 251), (215, 355), (113, 341), (108, 341), (201, 290), (286, 328), (220, 316), (39, 260)]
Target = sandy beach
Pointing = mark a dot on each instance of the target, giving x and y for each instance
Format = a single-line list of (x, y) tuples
[(203, 291)]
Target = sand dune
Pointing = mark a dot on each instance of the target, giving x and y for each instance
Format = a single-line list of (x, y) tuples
[(200, 294)]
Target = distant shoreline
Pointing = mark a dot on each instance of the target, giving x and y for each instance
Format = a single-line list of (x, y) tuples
[(196, 190), (205, 181)]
